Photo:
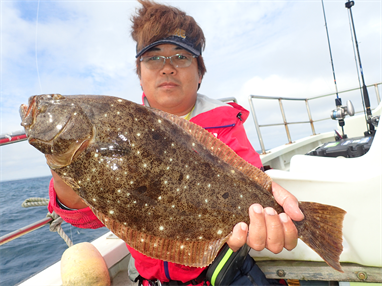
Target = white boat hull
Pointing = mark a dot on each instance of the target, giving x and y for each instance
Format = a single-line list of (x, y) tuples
[(353, 184)]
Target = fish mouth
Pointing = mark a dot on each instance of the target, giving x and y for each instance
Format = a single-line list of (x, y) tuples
[(52, 133), (32, 107), (28, 114)]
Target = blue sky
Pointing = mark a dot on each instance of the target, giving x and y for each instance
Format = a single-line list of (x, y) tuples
[(274, 48)]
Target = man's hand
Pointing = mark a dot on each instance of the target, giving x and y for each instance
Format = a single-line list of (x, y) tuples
[(267, 229), (65, 194)]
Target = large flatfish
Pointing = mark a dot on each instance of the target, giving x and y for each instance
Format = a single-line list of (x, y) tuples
[(167, 187)]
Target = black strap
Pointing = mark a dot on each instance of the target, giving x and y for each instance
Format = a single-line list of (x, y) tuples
[(62, 206)]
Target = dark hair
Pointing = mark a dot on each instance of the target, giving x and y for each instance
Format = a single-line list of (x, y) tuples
[(154, 22)]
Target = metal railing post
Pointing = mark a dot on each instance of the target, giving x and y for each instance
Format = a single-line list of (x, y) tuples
[(310, 117), (285, 122), (257, 125), (11, 236)]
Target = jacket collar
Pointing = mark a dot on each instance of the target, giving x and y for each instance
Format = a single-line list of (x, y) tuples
[(204, 104)]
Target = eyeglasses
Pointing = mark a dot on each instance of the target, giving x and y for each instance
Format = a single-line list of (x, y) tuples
[(158, 62)]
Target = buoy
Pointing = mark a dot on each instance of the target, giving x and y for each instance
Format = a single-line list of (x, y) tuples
[(82, 264)]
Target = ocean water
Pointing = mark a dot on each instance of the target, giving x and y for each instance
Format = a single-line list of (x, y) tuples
[(33, 252)]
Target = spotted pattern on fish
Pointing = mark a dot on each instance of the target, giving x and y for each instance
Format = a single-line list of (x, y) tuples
[(164, 185)]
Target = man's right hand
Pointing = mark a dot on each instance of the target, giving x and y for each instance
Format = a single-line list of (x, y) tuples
[(65, 194)]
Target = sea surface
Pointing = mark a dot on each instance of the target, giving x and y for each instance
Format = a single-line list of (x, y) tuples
[(33, 252)]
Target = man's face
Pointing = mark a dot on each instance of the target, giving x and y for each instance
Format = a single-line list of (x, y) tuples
[(169, 88)]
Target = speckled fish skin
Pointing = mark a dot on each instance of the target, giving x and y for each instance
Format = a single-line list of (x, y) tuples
[(167, 187)]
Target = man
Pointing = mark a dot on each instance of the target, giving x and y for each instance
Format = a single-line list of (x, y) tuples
[(170, 67)]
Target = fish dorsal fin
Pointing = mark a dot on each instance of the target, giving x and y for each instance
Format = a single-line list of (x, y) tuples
[(219, 149)]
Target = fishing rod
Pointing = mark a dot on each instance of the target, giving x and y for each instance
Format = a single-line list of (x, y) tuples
[(364, 92), (330, 49), (341, 111)]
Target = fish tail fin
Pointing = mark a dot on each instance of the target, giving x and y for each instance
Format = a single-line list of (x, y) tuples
[(322, 231)]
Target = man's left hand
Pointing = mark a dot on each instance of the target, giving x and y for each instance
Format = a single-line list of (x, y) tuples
[(267, 229)]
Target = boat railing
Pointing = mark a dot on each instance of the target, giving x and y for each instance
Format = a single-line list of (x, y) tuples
[(12, 137), (24, 230), (282, 110)]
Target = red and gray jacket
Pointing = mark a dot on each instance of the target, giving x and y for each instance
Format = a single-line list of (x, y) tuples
[(225, 121)]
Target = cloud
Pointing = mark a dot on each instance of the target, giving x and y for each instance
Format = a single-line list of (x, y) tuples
[(274, 48)]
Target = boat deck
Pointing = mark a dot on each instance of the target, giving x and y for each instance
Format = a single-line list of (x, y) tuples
[(122, 279), (120, 275)]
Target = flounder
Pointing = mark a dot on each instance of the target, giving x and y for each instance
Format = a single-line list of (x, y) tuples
[(164, 185)]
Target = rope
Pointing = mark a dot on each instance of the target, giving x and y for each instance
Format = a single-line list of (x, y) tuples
[(55, 224), (35, 202)]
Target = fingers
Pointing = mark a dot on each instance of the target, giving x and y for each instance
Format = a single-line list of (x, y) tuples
[(269, 230), (238, 237), (275, 231), (287, 201), (257, 228), (290, 232)]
